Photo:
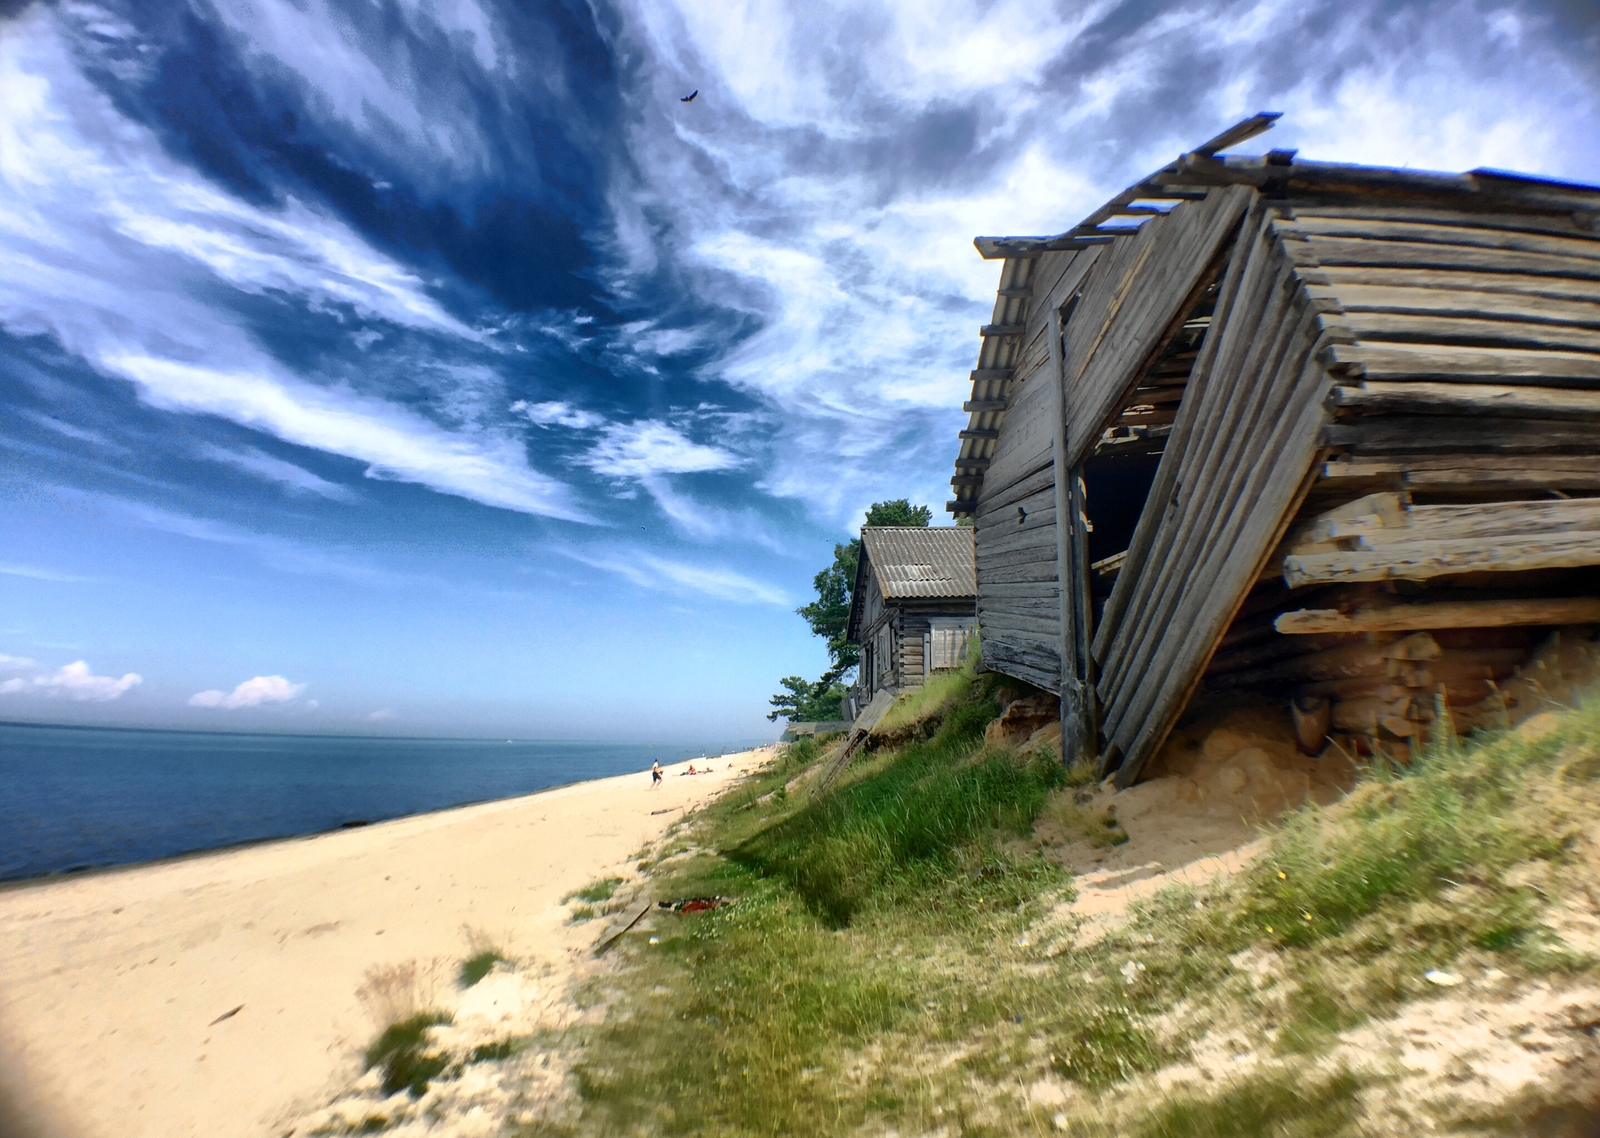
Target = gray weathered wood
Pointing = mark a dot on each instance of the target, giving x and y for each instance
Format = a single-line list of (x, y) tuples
[(1394, 434), (1426, 397), (1435, 558), (1444, 614)]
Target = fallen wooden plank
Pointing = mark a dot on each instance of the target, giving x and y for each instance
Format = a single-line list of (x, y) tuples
[(630, 917), (1433, 558), (1446, 614)]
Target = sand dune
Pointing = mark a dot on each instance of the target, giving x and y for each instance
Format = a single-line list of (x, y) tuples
[(112, 985)]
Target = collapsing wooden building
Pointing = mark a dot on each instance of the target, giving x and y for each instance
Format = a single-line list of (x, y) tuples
[(911, 607), (1323, 432)]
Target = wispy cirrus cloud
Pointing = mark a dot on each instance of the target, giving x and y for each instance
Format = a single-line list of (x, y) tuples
[(35, 573), (296, 478), (650, 447), (100, 227), (649, 571)]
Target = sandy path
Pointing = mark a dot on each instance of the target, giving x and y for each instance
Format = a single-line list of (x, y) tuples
[(109, 983)]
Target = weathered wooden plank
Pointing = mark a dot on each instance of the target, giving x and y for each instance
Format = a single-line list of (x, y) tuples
[(1461, 435), (1435, 558), (1461, 302), (1258, 517), (1244, 282), (1308, 225), (1236, 397), (1561, 289), (1443, 614), (1007, 497), (1427, 397), (1452, 362), (1331, 251), (1007, 572), (1432, 213), (1024, 442), (1430, 328), (1205, 529), (1447, 522), (1562, 472), (1128, 308)]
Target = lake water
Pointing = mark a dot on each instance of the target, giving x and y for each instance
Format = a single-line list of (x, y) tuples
[(74, 797)]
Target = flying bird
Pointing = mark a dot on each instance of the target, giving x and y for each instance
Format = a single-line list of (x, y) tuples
[(689, 98)]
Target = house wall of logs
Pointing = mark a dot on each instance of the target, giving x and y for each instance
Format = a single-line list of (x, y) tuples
[(1344, 421)]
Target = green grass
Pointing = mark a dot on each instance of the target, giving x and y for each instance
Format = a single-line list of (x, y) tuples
[(477, 966), (885, 966), (401, 1050), (596, 891)]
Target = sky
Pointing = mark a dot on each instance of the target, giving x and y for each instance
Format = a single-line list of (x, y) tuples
[(429, 367)]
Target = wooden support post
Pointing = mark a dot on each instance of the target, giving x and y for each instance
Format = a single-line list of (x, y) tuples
[(1072, 576)]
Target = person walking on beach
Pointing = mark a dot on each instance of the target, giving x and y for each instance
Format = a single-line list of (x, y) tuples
[(655, 775)]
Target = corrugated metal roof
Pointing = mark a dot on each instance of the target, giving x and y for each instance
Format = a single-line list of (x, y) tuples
[(921, 561)]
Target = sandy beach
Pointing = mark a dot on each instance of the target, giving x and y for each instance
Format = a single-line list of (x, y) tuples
[(112, 984)]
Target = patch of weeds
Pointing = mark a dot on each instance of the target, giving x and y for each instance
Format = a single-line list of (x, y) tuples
[(1316, 1016), (497, 1050), (1105, 1047), (373, 1124), (1080, 821), (1279, 1104), (583, 913), (402, 1053), (477, 966), (595, 891)]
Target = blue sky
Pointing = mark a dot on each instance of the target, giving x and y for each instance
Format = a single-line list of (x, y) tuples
[(427, 366)]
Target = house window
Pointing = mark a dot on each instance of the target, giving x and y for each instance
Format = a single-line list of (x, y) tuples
[(947, 643)]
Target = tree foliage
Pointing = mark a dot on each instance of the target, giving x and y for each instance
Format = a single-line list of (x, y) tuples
[(804, 702), (829, 614)]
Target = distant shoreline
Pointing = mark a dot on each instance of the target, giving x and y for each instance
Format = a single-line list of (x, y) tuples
[(728, 748)]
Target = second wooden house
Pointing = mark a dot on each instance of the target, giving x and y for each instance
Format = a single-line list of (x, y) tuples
[(912, 608)]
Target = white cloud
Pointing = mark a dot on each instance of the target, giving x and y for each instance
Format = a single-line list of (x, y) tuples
[(383, 714), (99, 228), (33, 572), (558, 414), (651, 572), (15, 663), (73, 681), (647, 447), (296, 478), (398, 444), (799, 190), (251, 693)]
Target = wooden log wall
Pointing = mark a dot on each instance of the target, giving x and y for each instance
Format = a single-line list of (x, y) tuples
[(1453, 520), (1019, 607)]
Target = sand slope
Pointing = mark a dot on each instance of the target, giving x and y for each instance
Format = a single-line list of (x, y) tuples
[(110, 983)]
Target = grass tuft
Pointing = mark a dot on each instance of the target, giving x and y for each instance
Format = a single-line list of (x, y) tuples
[(477, 966), (401, 1050), (595, 892)]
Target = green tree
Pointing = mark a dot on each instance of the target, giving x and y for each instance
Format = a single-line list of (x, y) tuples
[(804, 702), (829, 614)]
